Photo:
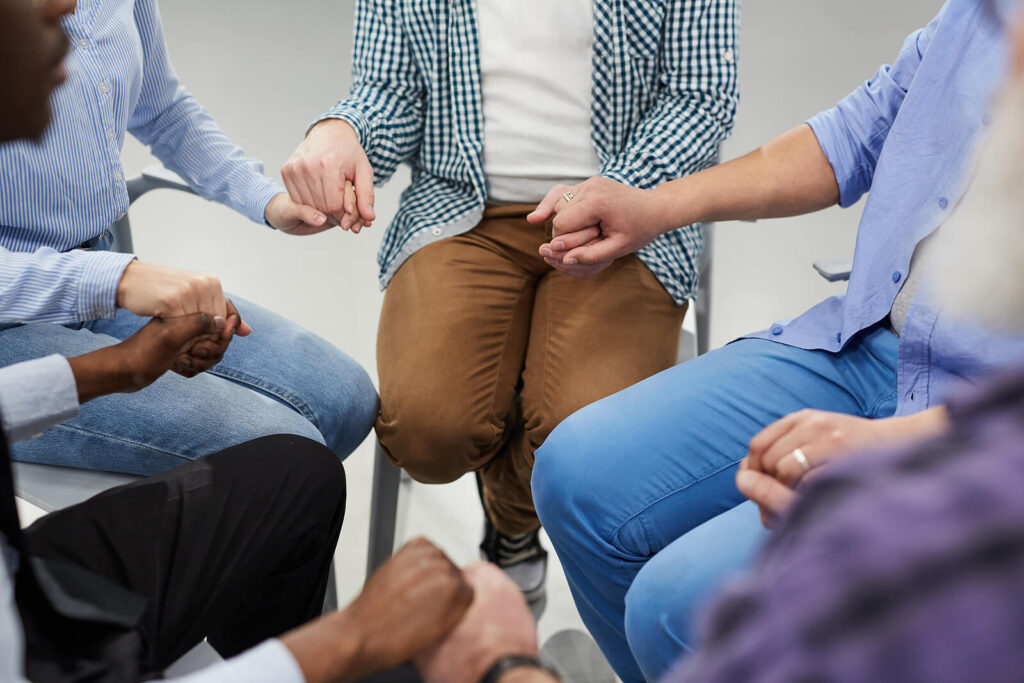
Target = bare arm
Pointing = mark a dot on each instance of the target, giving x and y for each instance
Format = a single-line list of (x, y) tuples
[(788, 176)]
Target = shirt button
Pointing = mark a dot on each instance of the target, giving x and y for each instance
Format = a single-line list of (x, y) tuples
[(83, 44), (104, 88), (118, 177), (729, 56), (943, 202), (897, 276), (777, 330), (110, 134), (436, 232)]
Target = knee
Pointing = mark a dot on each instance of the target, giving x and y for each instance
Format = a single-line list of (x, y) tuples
[(436, 442), (564, 483)]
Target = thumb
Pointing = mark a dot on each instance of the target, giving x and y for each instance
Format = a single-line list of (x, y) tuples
[(185, 328), (764, 490), (308, 215)]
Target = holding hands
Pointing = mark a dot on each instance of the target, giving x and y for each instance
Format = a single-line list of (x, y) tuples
[(329, 171), (595, 223)]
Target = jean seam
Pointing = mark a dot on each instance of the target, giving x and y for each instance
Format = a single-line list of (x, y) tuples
[(882, 400), (637, 515), (122, 440), (276, 392)]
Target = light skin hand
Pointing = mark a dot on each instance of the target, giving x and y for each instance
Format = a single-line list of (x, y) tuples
[(160, 345), (409, 605), (294, 219), (823, 437), (625, 218), (322, 167), (498, 624), (156, 291)]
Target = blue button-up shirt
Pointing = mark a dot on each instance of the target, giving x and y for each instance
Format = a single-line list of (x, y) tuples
[(907, 136), (665, 95), (71, 187)]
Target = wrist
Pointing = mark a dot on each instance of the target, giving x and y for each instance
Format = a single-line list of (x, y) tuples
[(99, 373), (328, 650), (673, 206), (518, 669)]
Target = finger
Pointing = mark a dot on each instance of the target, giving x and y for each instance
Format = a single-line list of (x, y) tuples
[(558, 246), (333, 183), (364, 191), (309, 215), (296, 180), (765, 491), (603, 251), (350, 198), (790, 472), (546, 209), (764, 439), (243, 329)]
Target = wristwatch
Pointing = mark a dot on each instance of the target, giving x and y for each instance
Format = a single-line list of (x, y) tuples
[(509, 662)]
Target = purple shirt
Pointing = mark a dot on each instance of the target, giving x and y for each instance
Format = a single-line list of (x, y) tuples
[(898, 566)]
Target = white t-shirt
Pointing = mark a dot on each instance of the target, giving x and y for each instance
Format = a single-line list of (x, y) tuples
[(537, 79)]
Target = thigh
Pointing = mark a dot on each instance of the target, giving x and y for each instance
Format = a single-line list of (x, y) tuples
[(676, 584), (592, 338), (200, 541), (292, 366), (450, 349), (648, 464), (171, 422)]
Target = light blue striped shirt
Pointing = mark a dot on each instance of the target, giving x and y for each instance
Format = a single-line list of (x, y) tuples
[(70, 187), (665, 95)]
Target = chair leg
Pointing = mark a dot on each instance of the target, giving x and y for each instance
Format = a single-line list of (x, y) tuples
[(383, 510), (331, 596), (703, 302)]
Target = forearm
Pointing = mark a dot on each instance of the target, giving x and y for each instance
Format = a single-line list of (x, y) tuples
[(327, 650), (927, 423), (788, 176)]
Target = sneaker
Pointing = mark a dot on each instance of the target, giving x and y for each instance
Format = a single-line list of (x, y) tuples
[(522, 558)]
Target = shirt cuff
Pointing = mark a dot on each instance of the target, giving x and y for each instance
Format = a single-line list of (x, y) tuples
[(35, 395), (259, 197), (353, 116), (270, 662), (97, 290)]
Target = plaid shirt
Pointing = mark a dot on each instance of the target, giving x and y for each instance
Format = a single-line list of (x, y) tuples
[(664, 100)]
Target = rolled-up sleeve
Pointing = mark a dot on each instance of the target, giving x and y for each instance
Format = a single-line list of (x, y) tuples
[(35, 395), (853, 133)]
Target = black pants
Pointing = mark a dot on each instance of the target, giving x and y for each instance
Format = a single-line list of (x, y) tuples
[(235, 547)]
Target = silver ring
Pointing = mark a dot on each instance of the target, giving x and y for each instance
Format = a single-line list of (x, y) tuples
[(801, 459), (568, 196)]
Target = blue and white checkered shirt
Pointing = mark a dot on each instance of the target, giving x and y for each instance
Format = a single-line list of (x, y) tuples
[(664, 90), (70, 187)]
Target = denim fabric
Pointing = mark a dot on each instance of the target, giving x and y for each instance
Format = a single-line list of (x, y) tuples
[(624, 479), (281, 379)]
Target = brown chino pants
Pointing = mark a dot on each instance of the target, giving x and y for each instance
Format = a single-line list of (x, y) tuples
[(471, 321)]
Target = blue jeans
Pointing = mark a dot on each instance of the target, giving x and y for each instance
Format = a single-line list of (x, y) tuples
[(624, 486), (281, 379)]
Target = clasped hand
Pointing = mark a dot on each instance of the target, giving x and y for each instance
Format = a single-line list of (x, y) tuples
[(604, 220)]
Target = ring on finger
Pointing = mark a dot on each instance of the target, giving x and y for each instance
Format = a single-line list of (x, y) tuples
[(801, 459), (568, 195)]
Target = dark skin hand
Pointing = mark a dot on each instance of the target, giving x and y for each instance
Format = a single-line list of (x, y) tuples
[(162, 344), (409, 605)]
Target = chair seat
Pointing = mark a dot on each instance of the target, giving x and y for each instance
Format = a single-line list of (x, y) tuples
[(50, 488)]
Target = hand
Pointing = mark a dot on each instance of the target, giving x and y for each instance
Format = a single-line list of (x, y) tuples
[(294, 219), (626, 218), (497, 624), (407, 606), (156, 291), (162, 344), (330, 172), (554, 255)]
